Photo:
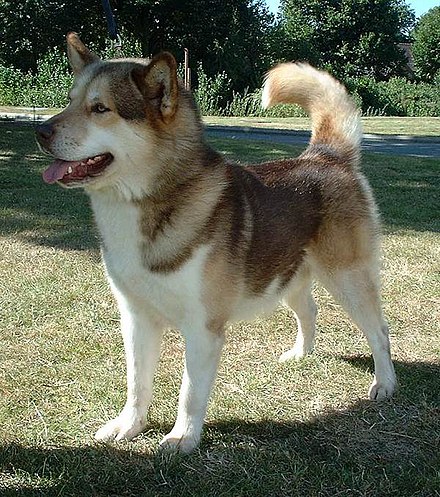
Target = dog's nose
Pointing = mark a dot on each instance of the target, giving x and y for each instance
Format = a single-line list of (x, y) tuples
[(44, 132)]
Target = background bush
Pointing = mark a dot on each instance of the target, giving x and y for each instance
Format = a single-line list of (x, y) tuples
[(396, 97), (48, 86), (211, 93)]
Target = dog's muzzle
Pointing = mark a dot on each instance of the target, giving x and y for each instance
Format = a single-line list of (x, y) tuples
[(45, 133)]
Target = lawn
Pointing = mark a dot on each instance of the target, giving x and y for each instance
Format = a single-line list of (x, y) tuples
[(300, 429), (410, 126)]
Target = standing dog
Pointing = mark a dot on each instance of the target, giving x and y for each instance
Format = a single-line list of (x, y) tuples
[(192, 241)]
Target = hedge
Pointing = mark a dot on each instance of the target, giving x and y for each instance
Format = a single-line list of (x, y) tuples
[(49, 86)]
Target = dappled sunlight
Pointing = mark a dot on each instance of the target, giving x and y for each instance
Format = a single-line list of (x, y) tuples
[(5, 156)]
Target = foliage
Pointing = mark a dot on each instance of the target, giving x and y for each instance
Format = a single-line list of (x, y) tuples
[(210, 93), (215, 98), (228, 36), (238, 38), (14, 86), (52, 81), (426, 47), (350, 37), (248, 104), (231, 36), (129, 47), (31, 28), (396, 97), (50, 84), (48, 87)]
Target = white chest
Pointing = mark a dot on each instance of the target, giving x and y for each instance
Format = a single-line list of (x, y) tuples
[(175, 295)]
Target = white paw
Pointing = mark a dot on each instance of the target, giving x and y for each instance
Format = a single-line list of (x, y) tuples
[(295, 353), (179, 443), (121, 428), (383, 389)]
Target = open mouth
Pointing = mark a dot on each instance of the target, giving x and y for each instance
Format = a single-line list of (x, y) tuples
[(77, 171)]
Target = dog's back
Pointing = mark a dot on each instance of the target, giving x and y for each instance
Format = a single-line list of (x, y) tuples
[(316, 209)]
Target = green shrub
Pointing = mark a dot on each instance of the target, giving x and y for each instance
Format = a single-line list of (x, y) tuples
[(396, 97), (414, 100), (244, 104), (211, 93), (248, 104), (49, 87), (371, 97), (129, 47), (215, 98), (14, 86), (52, 81)]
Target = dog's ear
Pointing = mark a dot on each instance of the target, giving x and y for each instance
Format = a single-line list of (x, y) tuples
[(158, 84), (79, 55)]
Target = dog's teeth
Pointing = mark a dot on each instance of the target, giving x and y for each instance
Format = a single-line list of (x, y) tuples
[(69, 170)]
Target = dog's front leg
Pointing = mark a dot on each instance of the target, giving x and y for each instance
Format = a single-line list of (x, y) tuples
[(202, 355), (142, 335)]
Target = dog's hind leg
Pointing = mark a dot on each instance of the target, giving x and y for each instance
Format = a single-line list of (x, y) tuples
[(142, 334), (357, 290), (202, 355), (300, 300)]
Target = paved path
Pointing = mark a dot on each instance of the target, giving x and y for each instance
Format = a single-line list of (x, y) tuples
[(412, 146)]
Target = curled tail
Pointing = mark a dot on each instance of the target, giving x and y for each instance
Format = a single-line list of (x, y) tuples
[(335, 118)]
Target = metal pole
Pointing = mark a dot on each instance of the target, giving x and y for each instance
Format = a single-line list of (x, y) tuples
[(187, 79)]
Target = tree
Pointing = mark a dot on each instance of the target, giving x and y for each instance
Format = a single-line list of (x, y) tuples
[(426, 47), (230, 36), (30, 28), (350, 37), (225, 36)]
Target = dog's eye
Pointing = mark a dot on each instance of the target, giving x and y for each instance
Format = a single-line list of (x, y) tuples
[(100, 109)]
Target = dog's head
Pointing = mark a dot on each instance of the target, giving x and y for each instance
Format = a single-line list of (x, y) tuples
[(124, 117)]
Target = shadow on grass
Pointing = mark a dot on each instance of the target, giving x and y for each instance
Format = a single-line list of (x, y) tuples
[(369, 449), (407, 190), (35, 212), (419, 382)]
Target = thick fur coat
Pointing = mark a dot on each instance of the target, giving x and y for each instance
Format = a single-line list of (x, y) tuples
[(192, 241)]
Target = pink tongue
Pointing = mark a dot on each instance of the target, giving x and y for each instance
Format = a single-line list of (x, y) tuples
[(57, 170)]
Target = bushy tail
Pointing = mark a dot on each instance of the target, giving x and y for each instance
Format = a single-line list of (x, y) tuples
[(335, 119)]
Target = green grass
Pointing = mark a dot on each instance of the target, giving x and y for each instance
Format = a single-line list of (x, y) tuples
[(300, 429), (411, 126)]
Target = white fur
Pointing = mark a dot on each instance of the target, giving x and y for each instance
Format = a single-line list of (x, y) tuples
[(148, 302), (176, 296)]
